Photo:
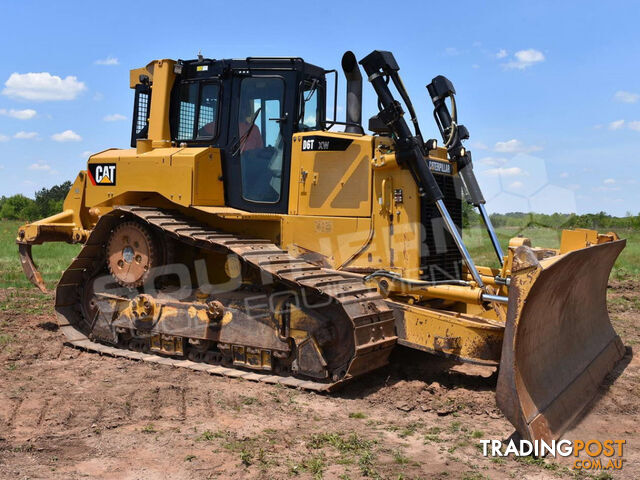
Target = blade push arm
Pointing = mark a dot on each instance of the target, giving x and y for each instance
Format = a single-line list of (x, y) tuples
[(453, 134)]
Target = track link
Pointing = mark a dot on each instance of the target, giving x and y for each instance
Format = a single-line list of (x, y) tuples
[(371, 319)]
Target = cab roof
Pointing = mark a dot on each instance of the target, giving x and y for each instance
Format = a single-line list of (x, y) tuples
[(204, 67)]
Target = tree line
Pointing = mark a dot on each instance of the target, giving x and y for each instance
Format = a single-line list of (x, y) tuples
[(47, 202)]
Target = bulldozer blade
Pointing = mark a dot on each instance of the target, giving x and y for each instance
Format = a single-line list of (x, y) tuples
[(559, 343), (29, 267)]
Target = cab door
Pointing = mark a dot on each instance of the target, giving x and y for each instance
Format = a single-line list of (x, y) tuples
[(258, 156)]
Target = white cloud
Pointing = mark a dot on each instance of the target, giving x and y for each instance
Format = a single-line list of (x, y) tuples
[(626, 97), (4, 138), (66, 136), (514, 146), (25, 114), (115, 117), (41, 167), (26, 135), (517, 184), (525, 58), (451, 51), (492, 161), (635, 125), (616, 125), (108, 62), (609, 181), (507, 172), (501, 53), (42, 86), (479, 146), (606, 189), (564, 175)]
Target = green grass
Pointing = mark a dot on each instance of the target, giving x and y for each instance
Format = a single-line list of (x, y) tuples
[(209, 436), (400, 458), (149, 428), (477, 240), (350, 448), (26, 300), (315, 465), (52, 258)]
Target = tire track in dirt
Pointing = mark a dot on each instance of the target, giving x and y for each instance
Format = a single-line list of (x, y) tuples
[(43, 412), (183, 403), (14, 411), (129, 406), (155, 404), (98, 416)]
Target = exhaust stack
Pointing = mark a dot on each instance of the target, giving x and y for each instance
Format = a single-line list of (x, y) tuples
[(354, 90)]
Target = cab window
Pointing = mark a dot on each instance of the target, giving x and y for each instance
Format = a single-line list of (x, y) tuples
[(197, 111), (310, 115), (260, 142)]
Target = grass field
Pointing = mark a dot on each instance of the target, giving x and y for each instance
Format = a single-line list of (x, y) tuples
[(53, 258), (628, 264)]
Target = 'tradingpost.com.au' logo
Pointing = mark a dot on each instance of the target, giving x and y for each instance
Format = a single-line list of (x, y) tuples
[(600, 455)]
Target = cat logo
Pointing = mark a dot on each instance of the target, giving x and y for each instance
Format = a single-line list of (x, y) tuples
[(102, 174)]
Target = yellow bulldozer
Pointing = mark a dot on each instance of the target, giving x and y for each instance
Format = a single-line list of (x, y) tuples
[(247, 234)]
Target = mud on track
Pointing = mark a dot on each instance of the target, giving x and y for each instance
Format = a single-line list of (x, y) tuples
[(65, 413)]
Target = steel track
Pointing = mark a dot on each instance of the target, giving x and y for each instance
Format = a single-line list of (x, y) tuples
[(371, 319)]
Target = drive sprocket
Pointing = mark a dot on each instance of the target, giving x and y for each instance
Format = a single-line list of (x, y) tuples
[(132, 252)]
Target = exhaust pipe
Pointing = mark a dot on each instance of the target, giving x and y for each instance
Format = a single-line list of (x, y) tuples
[(354, 91)]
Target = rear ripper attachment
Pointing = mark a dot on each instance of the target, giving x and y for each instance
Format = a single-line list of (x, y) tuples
[(300, 325)]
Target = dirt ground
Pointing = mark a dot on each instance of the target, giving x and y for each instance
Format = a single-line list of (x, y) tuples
[(65, 413)]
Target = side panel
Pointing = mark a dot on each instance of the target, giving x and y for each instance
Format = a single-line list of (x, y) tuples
[(396, 230), (208, 188), (333, 172), (327, 241), (182, 176)]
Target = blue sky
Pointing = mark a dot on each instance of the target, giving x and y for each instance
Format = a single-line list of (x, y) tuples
[(548, 90)]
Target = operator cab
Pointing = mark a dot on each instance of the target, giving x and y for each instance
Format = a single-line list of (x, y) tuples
[(250, 109)]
